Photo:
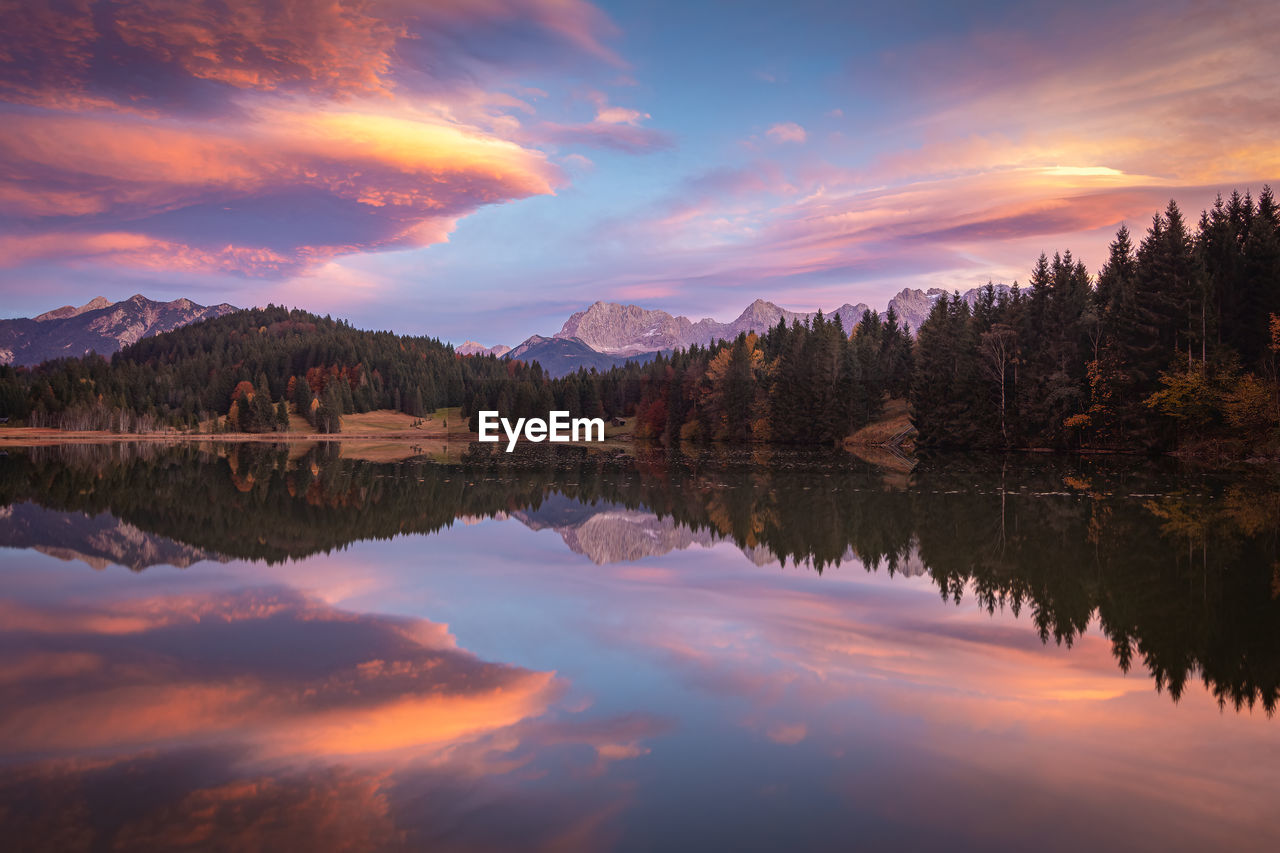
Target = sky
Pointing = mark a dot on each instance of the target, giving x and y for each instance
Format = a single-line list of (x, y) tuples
[(480, 169)]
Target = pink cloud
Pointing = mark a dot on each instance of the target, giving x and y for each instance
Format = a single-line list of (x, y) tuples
[(316, 47), (787, 131), (265, 139), (377, 178), (620, 137), (620, 115), (613, 127)]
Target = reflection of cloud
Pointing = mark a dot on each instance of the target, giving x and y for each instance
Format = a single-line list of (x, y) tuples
[(966, 706), (820, 643), (205, 799), (268, 668), (321, 810), (264, 719), (194, 802), (612, 738)]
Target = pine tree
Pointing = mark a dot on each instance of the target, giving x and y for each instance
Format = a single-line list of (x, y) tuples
[(1261, 279), (302, 396)]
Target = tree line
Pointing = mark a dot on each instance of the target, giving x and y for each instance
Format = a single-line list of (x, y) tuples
[(1173, 344)]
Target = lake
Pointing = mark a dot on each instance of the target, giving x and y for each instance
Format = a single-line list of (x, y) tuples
[(261, 647)]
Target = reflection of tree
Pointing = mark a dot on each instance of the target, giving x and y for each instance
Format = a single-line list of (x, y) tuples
[(1179, 570), (998, 349), (1179, 581)]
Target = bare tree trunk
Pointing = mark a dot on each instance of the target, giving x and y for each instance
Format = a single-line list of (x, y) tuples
[(1004, 433)]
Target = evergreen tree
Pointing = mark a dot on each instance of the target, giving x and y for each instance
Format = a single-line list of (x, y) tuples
[(1261, 279)]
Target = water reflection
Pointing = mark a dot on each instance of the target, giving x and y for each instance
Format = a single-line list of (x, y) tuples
[(1054, 539), (261, 719), (591, 642)]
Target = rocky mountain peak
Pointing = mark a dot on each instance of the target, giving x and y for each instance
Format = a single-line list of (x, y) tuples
[(611, 327), (97, 326), (760, 311), (66, 311), (477, 348)]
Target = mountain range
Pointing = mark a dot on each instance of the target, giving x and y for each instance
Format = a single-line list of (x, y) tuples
[(473, 348), (97, 326), (627, 329), (604, 335), (608, 333)]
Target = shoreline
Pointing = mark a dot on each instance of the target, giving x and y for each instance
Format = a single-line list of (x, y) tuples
[(30, 437), (42, 437)]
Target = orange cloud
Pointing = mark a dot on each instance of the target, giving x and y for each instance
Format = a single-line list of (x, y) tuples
[(265, 139), (192, 198), (141, 53), (335, 48)]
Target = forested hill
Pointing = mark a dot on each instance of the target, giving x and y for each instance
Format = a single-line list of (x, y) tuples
[(250, 365)]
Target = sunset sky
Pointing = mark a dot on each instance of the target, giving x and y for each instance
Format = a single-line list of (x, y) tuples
[(482, 168)]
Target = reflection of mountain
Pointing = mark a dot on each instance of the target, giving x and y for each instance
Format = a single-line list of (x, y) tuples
[(911, 565), (98, 540), (610, 533)]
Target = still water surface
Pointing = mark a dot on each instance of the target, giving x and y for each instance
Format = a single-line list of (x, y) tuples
[(258, 648)]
